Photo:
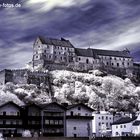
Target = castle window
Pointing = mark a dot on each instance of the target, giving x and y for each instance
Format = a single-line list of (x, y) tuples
[(114, 58), (112, 64), (107, 63), (110, 58), (36, 56), (117, 64), (128, 64), (87, 61), (74, 128), (79, 58), (44, 51), (123, 63)]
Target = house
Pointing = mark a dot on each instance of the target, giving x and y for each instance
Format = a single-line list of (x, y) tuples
[(53, 120), (123, 126), (11, 119), (32, 118), (101, 123), (78, 120)]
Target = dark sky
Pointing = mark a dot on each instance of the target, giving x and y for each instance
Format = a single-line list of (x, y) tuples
[(105, 24)]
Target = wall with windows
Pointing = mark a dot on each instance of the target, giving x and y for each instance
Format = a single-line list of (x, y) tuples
[(101, 121), (78, 128), (121, 129)]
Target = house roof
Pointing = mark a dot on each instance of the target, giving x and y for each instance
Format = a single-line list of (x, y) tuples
[(124, 120), (57, 42), (10, 102), (80, 104), (53, 103), (95, 52), (136, 123)]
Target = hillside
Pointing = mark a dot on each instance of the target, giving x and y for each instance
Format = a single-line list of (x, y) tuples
[(100, 91)]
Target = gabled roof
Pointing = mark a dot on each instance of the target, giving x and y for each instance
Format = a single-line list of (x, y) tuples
[(57, 42), (136, 123), (53, 103), (124, 120), (10, 102), (80, 104)]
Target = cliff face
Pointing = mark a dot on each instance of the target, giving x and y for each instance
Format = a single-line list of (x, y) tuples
[(97, 89)]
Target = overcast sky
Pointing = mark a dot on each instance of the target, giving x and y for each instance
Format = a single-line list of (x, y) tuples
[(105, 24)]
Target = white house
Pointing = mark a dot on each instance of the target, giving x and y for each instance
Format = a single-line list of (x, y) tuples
[(122, 127), (136, 126), (78, 121), (101, 123)]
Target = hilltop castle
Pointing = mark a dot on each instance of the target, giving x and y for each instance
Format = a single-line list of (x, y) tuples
[(61, 54)]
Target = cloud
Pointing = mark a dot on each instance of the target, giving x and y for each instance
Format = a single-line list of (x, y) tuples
[(107, 24), (47, 5)]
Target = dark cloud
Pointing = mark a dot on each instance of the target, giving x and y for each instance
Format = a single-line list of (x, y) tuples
[(107, 24)]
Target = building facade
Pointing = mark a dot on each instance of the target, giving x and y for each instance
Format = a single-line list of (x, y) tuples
[(11, 119), (101, 123), (78, 121), (61, 54)]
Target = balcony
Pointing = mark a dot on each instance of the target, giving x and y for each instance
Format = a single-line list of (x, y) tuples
[(54, 117), (54, 125), (11, 125), (10, 117), (79, 117)]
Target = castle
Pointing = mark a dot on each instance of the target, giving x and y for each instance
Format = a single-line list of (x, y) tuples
[(61, 54)]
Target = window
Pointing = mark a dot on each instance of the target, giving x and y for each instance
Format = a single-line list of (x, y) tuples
[(107, 63), (79, 108), (124, 126), (87, 61), (99, 124), (106, 117), (112, 64), (74, 128), (110, 58), (120, 126), (71, 113), (102, 117), (4, 113), (18, 113), (123, 63), (117, 64), (79, 58), (107, 124), (79, 114), (114, 58), (128, 64), (117, 133), (116, 126), (36, 56)]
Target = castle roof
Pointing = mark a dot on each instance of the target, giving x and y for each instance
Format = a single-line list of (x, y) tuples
[(123, 53), (85, 52), (57, 42), (96, 52)]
